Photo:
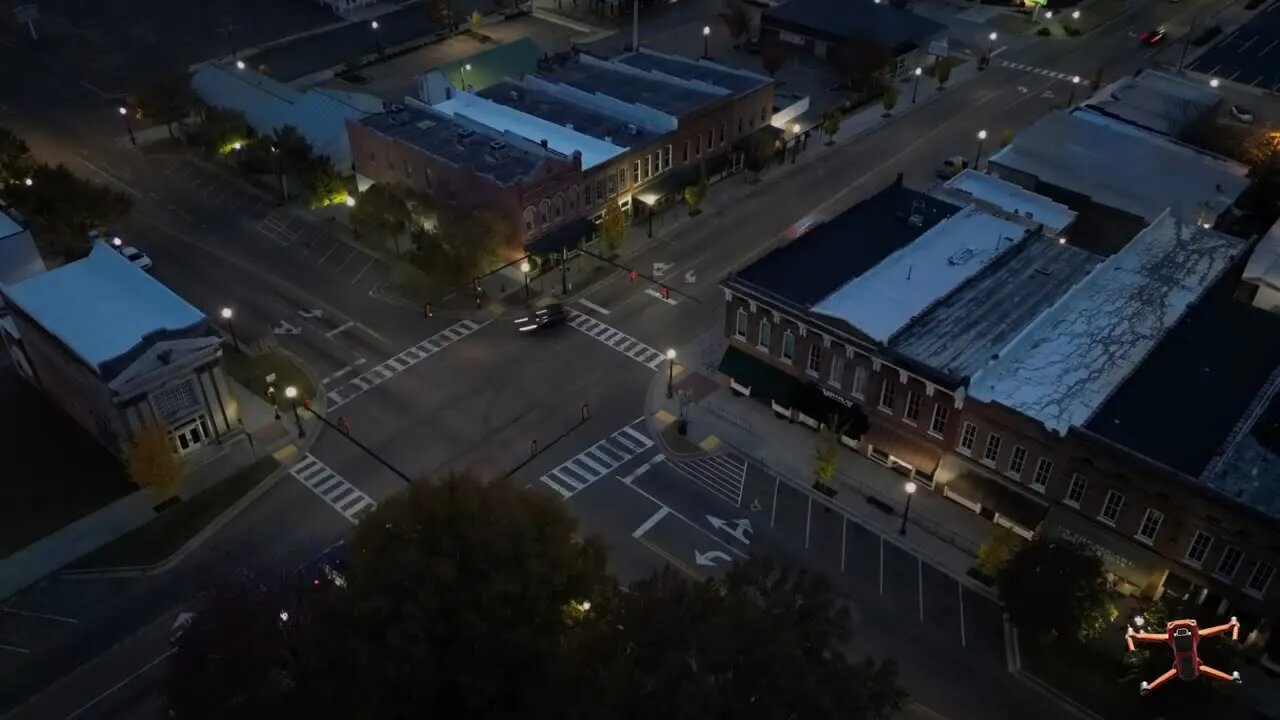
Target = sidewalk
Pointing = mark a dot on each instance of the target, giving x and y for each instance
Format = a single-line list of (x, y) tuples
[(938, 529)]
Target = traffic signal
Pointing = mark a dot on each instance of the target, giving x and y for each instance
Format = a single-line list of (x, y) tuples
[(633, 276), (346, 426), (665, 292)]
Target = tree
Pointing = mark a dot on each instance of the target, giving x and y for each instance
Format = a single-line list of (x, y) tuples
[(463, 246), (167, 99), (62, 208), (476, 19), (862, 63), (827, 454), (763, 643), (383, 212), (153, 465), (461, 592), (999, 546), (15, 158), (613, 228), (773, 54), (943, 72), (831, 125), (1055, 589), (218, 128), (736, 20), (760, 154), (889, 99), (694, 195), (321, 183), (1006, 138), (441, 13)]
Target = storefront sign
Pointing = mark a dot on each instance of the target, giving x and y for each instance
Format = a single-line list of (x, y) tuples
[(834, 396), (1112, 560)]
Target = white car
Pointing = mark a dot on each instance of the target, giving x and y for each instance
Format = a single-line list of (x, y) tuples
[(135, 256), (1242, 114)]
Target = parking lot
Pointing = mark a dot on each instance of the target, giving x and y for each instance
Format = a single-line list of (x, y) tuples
[(1250, 55)]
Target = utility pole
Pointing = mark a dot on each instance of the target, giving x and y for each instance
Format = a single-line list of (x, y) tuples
[(635, 26)]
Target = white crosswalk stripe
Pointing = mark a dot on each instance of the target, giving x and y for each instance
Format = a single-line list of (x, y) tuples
[(724, 475), (329, 485), (1032, 69), (596, 461), (379, 374), (619, 341)]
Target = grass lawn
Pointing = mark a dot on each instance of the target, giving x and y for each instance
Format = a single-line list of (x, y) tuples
[(157, 540), (252, 371)]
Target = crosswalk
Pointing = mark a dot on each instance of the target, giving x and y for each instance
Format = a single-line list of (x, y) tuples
[(329, 485), (1033, 69), (380, 373), (724, 475), (619, 341), (593, 463)]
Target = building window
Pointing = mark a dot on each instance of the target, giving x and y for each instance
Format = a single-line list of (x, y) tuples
[(739, 126), (766, 331), (764, 114), (837, 369), (684, 156), (939, 423), (968, 435), (1075, 493), (530, 219), (557, 207), (1044, 470), (1111, 507), (622, 178), (697, 146), (666, 158), (1199, 547), (573, 198), (815, 359), (613, 185), (722, 133), (912, 413), (1017, 460), (599, 190), (1150, 525), (1229, 563), (859, 389), (740, 329), (992, 451), (648, 166), (1260, 578), (711, 139), (544, 212), (788, 346), (887, 391)]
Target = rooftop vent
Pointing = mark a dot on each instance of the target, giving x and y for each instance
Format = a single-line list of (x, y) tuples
[(514, 94), (916, 220), (961, 257), (497, 146), (464, 133), (632, 129), (396, 108)]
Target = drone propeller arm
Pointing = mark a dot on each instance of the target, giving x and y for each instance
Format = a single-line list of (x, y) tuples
[(1131, 636), (1216, 674), (1160, 681), (1233, 626)]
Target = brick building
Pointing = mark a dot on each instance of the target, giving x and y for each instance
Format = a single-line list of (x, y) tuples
[(1126, 402)]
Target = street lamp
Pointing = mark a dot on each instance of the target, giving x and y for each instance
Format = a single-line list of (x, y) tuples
[(350, 201), (236, 146), (1213, 83), (671, 369), (128, 124), (1071, 96), (991, 46), (291, 392), (706, 38), (465, 68), (524, 268), (918, 72), (117, 243), (28, 182), (226, 313), (977, 156), (795, 133), (910, 487), (1075, 14), (239, 64), (1048, 14), (377, 39)]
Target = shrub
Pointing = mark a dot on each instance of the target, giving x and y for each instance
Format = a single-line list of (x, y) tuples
[(1043, 32)]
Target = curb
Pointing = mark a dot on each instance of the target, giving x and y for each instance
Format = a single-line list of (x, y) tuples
[(1013, 658)]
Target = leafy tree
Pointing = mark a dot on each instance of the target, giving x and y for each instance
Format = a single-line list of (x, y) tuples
[(763, 643), (862, 63), (62, 208), (476, 19), (1056, 589), (999, 546), (889, 98), (321, 183), (736, 20), (461, 593), (15, 158), (773, 54), (1006, 138), (694, 195), (294, 149), (167, 99), (153, 465), (464, 246), (613, 228), (384, 212), (761, 153), (827, 454), (218, 128), (831, 125)]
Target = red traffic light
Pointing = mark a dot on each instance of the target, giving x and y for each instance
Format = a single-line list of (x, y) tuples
[(665, 292), (633, 276)]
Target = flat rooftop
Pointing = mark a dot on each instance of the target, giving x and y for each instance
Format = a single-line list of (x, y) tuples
[(1250, 472), (8, 226), (444, 137), (1067, 363), (567, 114), (337, 45), (101, 306), (507, 119), (736, 81), (961, 334), (1264, 264), (817, 263), (892, 27), (1124, 166), (890, 295), (638, 88), (1157, 101), (973, 186)]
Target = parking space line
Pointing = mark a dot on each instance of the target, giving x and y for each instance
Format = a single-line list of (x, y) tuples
[(844, 540), (808, 522), (367, 265), (960, 592), (920, 578), (881, 564), (653, 520), (122, 683), (43, 616), (14, 649), (773, 513)]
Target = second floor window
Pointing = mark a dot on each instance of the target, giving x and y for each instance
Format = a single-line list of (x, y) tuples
[(766, 331), (788, 346), (912, 413), (1229, 563), (992, 451), (1150, 525), (859, 382), (1199, 547), (815, 359), (837, 369), (1260, 578), (939, 424), (1044, 470), (1111, 507), (1075, 493), (968, 436), (740, 329), (887, 392), (1017, 461)]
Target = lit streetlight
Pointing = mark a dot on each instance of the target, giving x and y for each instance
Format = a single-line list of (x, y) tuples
[(465, 68), (226, 314), (350, 201), (671, 369), (977, 156), (239, 64), (918, 72), (525, 267), (1075, 14), (28, 182), (991, 46), (706, 38), (1048, 14), (236, 146), (128, 124), (1071, 95), (291, 392), (116, 242), (377, 39), (795, 133), (910, 489), (1213, 83)]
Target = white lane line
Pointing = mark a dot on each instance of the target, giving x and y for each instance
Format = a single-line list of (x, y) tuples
[(593, 306), (345, 326), (356, 279), (715, 538), (773, 513), (808, 521), (14, 649), (844, 536), (881, 564), (121, 684), (960, 592), (642, 469), (655, 293), (653, 520), (920, 576), (389, 368), (44, 616)]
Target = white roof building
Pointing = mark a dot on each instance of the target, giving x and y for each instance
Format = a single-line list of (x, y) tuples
[(19, 256), (1263, 270), (992, 193)]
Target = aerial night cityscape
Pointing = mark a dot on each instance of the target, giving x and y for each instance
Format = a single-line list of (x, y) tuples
[(636, 359)]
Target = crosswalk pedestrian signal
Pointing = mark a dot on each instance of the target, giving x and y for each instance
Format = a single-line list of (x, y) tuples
[(633, 276), (665, 292)]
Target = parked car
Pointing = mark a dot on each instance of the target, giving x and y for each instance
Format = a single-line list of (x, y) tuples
[(543, 318), (135, 256), (952, 167), (1154, 36), (1241, 114)]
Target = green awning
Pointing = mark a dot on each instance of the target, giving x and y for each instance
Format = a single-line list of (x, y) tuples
[(764, 380)]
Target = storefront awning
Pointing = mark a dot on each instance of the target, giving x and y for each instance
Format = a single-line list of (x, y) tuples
[(999, 499), (908, 450), (570, 235), (827, 406), (764, 380)]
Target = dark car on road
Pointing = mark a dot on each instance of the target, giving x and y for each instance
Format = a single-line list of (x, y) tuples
[(330, 568), (543, 318)]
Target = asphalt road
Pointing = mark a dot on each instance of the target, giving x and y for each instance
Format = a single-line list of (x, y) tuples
[(480, 399)]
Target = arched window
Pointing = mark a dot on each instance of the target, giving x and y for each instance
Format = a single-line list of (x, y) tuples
[(530, 222), (573, 198), (557, 208), (544, 211)]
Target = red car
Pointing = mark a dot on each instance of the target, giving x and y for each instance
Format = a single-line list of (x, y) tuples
[(1154, 36)]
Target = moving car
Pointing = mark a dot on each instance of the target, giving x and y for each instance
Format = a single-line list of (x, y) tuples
[(1241, 114), (543, 318), (331, 567), (952, 167), (1154, 36)]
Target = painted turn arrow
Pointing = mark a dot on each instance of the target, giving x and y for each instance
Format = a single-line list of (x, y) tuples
[(737, 528), (709, 558)]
